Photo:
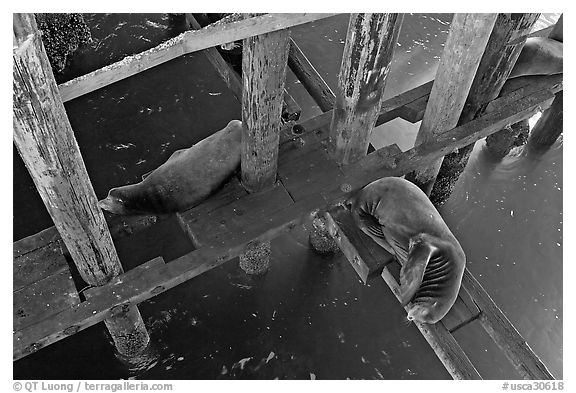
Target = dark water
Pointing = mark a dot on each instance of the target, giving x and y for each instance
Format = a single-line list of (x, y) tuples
[(308, 317)]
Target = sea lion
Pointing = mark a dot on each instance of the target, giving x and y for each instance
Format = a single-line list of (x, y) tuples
[(400, 218), (184, 180), (539, 56)]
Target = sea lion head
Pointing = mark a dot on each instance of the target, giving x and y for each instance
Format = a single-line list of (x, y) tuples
[(114, 202), (133, 199), (425, 312)]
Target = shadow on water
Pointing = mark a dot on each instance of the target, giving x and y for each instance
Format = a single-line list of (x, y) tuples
[(308, 317)]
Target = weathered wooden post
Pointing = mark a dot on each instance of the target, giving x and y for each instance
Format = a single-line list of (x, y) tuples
[(548, 128), (369, 48), (45, 140), (463, 50), (370, 43), (264, 59), (500, 143), (502, 50)]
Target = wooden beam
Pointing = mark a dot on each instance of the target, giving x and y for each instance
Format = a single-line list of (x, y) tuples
[(224, 31), (225, 70), (504, 334), (290, 110), (264, 60), (444, 345), (310, 78), (42, 299), (46, 143), (370, 43), (374, 166), (502, 50), (36, 265), (366, 257), (462, 53)]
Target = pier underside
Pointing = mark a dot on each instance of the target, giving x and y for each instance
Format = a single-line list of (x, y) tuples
[(309, 182)]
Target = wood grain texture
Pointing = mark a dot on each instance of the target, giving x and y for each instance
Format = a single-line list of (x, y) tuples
[(222, 32), (264, 60), (460, 59), (38, 264), (43, 299), (369, 48), (310, 78), (46, 143), (504, 333)]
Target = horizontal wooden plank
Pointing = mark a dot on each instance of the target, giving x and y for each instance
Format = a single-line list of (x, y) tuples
[(440, 340), (366, 257), (38, 264), (227, 223), (131, 277), (36, 241), (224, 31), (458, 137), (43, 299), (504, 333)]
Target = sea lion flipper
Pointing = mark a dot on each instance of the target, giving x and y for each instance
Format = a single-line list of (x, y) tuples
[(412, 272)]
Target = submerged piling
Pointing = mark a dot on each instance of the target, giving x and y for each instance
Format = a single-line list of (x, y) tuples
[(549, 127), (264, 59), (46, 143)]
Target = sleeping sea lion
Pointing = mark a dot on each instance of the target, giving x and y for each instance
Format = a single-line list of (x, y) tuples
[(398, 216), (184, 180), (539, 56)]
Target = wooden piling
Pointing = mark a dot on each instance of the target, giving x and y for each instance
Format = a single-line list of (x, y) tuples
[(461, 57), (499, 144), (503, 48), (549, 126), (370, 43), (264, 59), (45, 140)]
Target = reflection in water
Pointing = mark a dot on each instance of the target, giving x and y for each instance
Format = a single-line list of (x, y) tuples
[(308, 317)]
